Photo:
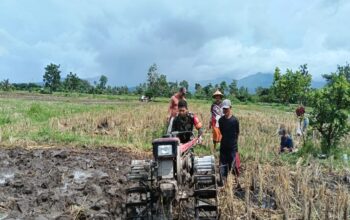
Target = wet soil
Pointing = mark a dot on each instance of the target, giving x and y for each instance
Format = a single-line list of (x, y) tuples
[(63, 183)]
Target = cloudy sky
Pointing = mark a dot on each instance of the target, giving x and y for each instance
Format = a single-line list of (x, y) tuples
[(191, 40)]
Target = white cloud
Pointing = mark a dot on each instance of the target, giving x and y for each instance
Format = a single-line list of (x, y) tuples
[(188, 40)]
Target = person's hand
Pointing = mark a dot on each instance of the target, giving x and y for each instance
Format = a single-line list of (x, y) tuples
[(200, 140)]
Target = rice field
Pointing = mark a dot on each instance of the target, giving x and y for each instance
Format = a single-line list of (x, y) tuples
[(293, 186)]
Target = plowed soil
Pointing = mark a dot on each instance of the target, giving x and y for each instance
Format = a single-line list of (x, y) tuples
[(63, 183)]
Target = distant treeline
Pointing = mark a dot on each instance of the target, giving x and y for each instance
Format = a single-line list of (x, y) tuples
[(288, 87)]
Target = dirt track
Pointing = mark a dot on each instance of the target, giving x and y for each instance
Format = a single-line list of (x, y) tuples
[(62, 183)]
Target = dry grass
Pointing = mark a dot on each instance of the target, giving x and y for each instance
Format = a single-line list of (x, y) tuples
[(273, 186)]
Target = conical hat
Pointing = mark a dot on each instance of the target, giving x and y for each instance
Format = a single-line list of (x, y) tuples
[(217, 93)]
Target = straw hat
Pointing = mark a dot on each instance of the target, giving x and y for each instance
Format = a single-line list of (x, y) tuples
[(218, 93)]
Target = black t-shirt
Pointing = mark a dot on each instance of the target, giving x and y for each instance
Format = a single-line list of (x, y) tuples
[(229, 129), (185, 123)]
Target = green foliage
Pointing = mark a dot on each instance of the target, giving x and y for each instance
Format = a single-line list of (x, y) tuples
[(141, 89), (31, 87), (308, 148), (223, 87), (184, 84), (291, 87), (71, 82), (208, 91), (38, 113), (341, 70), (52, 77), (233, 89), (330, 112), (101, 86), (243, 94), (5, 85), (264, 94), (4, 119), (157, 84)]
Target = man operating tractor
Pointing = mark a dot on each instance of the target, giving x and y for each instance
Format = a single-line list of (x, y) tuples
[(184, 123)]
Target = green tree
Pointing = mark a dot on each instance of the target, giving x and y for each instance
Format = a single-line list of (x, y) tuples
[(152, 78), (233, 89), (5, 85), (52, 77), (208, 91), (184, 84), (223, 87), (162, 86), (141, 89), (330, 111), (243, 94), (341, 70), (102, 82), (157, 84), (291, 87), (264, 94), (198, 91), (173, 88), (71, 82)]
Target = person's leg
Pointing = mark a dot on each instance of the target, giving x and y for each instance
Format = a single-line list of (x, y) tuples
[(223, 166)]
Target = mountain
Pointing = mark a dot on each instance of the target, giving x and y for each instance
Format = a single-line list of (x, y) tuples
[(256, 80), (252, 82)]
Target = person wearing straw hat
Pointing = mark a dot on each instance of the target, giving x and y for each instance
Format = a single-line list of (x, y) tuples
[(216, 114)]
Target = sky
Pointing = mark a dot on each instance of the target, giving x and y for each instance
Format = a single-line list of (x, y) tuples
[(193, 40)]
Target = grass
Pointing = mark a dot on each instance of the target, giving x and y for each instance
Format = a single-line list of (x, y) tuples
[(301, 185)]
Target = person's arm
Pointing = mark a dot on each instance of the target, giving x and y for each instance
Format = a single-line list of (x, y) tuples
[(198, 125), (171, 104), (220, 125), (238, 131), (211, 116), (173, 127)]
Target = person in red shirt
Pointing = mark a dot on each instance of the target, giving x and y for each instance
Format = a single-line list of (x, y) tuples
[(173, 106)]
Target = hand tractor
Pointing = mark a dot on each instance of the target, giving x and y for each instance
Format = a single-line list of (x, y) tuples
[(176, 184)]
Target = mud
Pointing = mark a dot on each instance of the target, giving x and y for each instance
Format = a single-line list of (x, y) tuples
[(62, 184)]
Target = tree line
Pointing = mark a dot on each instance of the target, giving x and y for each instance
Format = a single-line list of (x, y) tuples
[(53, 82)]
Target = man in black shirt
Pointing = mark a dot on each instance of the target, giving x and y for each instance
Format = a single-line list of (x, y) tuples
[(229, 128), (186, 121)]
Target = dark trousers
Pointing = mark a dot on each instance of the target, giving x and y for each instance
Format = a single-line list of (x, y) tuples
[(227, 160)]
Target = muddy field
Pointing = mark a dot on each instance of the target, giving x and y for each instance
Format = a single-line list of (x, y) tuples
[(63, 183)]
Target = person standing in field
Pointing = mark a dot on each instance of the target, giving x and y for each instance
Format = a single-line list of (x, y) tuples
[(229, 128), (216, 114), (173, 107)]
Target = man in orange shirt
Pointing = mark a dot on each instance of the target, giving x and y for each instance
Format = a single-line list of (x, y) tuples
[(173, 106)]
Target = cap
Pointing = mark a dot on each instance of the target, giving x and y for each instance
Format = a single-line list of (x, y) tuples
[(226, 103)]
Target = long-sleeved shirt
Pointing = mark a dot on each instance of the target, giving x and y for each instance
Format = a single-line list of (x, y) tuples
[(216, 114)]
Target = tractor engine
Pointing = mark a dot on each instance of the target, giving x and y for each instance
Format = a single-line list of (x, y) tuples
[(176, 184)]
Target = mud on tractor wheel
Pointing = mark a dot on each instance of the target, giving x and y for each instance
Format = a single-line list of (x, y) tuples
[(174, 185)]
